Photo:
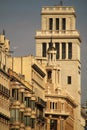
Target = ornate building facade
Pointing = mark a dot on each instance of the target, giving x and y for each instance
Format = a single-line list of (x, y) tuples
[(27, 94), (58, 50)]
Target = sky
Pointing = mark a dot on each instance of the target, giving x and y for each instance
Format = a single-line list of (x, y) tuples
[(21, 18)]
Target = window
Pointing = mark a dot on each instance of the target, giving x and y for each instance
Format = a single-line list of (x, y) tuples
[(32, 104), (53, 124), (50, 23), (53, 105), (70, 50), (15, 94), (15, 115), (12, 113), (49, 76), (32, 122), (27, 121), (57, 48), (21, 117), (63, 50), (69, 80), (63, 24), (22, 97), (27, 101), (57, 23), (44, 49)]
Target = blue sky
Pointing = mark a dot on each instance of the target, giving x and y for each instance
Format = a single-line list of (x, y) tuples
[(21, 18)]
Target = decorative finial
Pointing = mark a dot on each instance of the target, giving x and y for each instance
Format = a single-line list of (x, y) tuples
[(51, 40)]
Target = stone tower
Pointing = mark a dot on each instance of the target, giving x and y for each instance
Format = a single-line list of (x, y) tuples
[(58, 50)]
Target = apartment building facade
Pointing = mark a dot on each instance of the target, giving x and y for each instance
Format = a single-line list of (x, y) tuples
[(27, 92), (58, 50), (4, 84), (22, 103)]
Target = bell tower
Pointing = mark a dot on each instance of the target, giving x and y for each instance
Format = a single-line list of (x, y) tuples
[(62, 53)]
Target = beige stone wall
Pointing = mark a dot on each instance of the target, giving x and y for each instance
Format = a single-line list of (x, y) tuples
[(22, 65), (4, 126), (69, 124)]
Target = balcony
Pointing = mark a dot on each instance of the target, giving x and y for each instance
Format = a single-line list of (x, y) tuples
[(27, 111), (33, 114), (57, 112), (40, 102), (22, 106)]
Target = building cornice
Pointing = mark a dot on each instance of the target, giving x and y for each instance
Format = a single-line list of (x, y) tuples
[(15, 76)]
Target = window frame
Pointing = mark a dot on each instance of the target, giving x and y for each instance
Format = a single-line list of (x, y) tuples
[(50, 23), (44, 47), (69, 80), (63, 50), (70, 50), (63, 23), (57, 23)]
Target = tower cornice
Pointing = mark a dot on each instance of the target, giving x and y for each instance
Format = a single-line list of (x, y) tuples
[(55, 10)]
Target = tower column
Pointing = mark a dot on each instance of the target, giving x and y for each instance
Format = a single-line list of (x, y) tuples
[(47, 23), (54, 24), (60, 26)]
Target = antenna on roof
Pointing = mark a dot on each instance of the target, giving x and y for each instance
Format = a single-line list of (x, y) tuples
[(3, 32), (61, 2)]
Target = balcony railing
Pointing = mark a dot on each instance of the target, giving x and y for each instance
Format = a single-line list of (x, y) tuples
[(56, 112)]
